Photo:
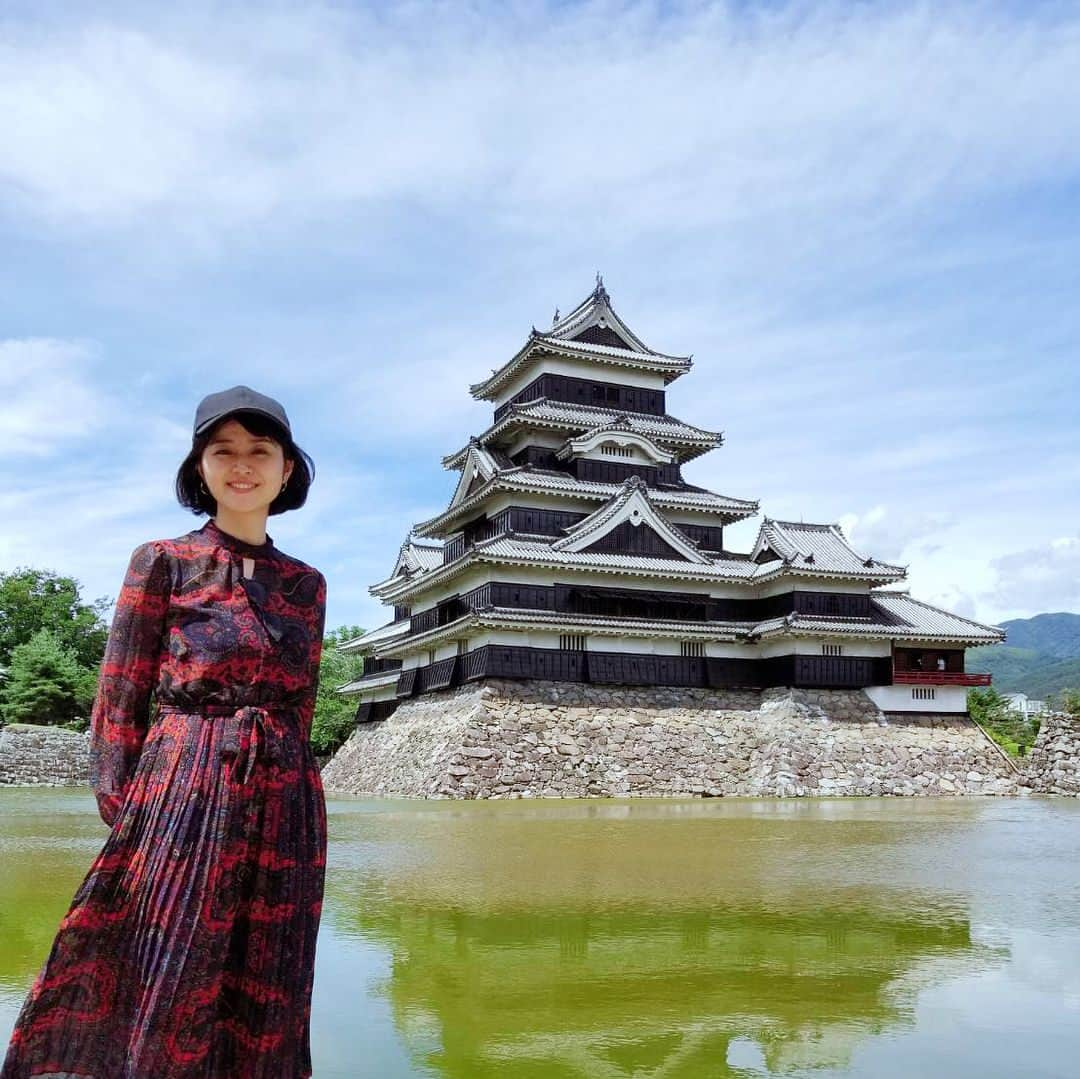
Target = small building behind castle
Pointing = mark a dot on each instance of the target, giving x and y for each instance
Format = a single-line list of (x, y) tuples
[(573, 550)]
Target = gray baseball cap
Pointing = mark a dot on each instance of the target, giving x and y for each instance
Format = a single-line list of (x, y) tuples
[(215, 406)]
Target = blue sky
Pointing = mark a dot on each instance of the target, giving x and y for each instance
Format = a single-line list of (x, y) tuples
[(861, 219)]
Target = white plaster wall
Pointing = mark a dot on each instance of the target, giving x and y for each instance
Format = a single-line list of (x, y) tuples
[(378, 693), (536, 437), (693, 517), (901, 699), (636, 456), (811, 646), (446, 650), (602, 642), (554, 440), (595, 642)]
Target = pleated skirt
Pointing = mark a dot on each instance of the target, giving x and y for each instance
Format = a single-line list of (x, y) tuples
[(188, 951)]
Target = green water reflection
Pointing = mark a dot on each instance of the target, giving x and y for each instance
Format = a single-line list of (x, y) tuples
[(659, 939), (586, 942)]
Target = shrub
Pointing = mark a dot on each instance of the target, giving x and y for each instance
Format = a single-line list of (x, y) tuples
[(45, 683)]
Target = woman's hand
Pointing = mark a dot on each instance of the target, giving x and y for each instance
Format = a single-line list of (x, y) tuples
[(109, 806)]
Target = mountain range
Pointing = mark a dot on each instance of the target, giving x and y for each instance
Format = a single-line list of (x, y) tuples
[(1040, 656)]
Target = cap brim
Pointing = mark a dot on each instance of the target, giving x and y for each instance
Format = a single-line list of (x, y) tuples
[(207, 424)]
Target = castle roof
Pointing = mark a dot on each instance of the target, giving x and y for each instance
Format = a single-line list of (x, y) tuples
[(626, 534), (366, 641), (800, 545), (619, 432), (416, 558), (631, 504), (592, 331), (826, 556), (894, 615), (543, 414), (530, 480)]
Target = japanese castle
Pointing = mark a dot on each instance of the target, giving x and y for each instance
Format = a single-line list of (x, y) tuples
[(573, 550)]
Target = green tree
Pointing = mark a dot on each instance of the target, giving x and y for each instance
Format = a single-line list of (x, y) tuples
[(35, 599), (45, 684), (334, 714), (1012, 730), (1070, 701)]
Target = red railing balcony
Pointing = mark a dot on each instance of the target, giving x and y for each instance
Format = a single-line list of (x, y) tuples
[(939, 678)]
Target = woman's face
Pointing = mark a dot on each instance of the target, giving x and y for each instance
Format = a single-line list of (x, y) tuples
[(244, 472)]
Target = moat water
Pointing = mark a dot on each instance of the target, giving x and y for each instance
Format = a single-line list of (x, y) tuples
[(657, 939)]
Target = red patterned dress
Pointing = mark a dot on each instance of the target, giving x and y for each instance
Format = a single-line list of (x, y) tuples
[(189, 948)]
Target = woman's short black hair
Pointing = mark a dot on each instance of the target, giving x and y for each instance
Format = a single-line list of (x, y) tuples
[(190, 491)]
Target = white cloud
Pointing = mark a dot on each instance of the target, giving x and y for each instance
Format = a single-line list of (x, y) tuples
[(888, 534), (47, 396), (709, 117), (1045, 578), (814, 199)]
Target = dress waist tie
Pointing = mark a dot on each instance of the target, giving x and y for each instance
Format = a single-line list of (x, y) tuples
[(245, 734)]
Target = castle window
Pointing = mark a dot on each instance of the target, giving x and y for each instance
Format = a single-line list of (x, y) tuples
[(572, 642), (615, 450), (832, 649), (431, 655), (462, 645), (922, 693), (693, 648)]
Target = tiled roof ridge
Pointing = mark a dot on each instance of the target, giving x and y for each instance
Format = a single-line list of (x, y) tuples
[(521, 408), (572, 345), (542, 550), (801, 524), (941, 610), (524, 410), (663, 489), (598, 298), (833, 528), (493, 614), (619, 426), (522, 473), (597, 310), (656, 361)]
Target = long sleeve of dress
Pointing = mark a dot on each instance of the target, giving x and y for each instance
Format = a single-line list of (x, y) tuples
[(120, 715), (307, 702)]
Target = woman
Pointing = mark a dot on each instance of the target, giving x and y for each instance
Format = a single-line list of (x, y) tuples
[(189, 948)]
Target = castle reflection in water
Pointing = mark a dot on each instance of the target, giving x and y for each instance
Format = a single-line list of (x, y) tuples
[(678, 941)]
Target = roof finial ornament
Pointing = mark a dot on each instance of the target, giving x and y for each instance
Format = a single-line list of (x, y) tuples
[(555, 317), (600, 292)]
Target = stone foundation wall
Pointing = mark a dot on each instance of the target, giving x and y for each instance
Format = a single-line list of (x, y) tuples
[(43, 756), (511, 739), (1054, 763)]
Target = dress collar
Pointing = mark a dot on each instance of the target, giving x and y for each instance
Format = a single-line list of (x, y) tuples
[(218, 535)]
